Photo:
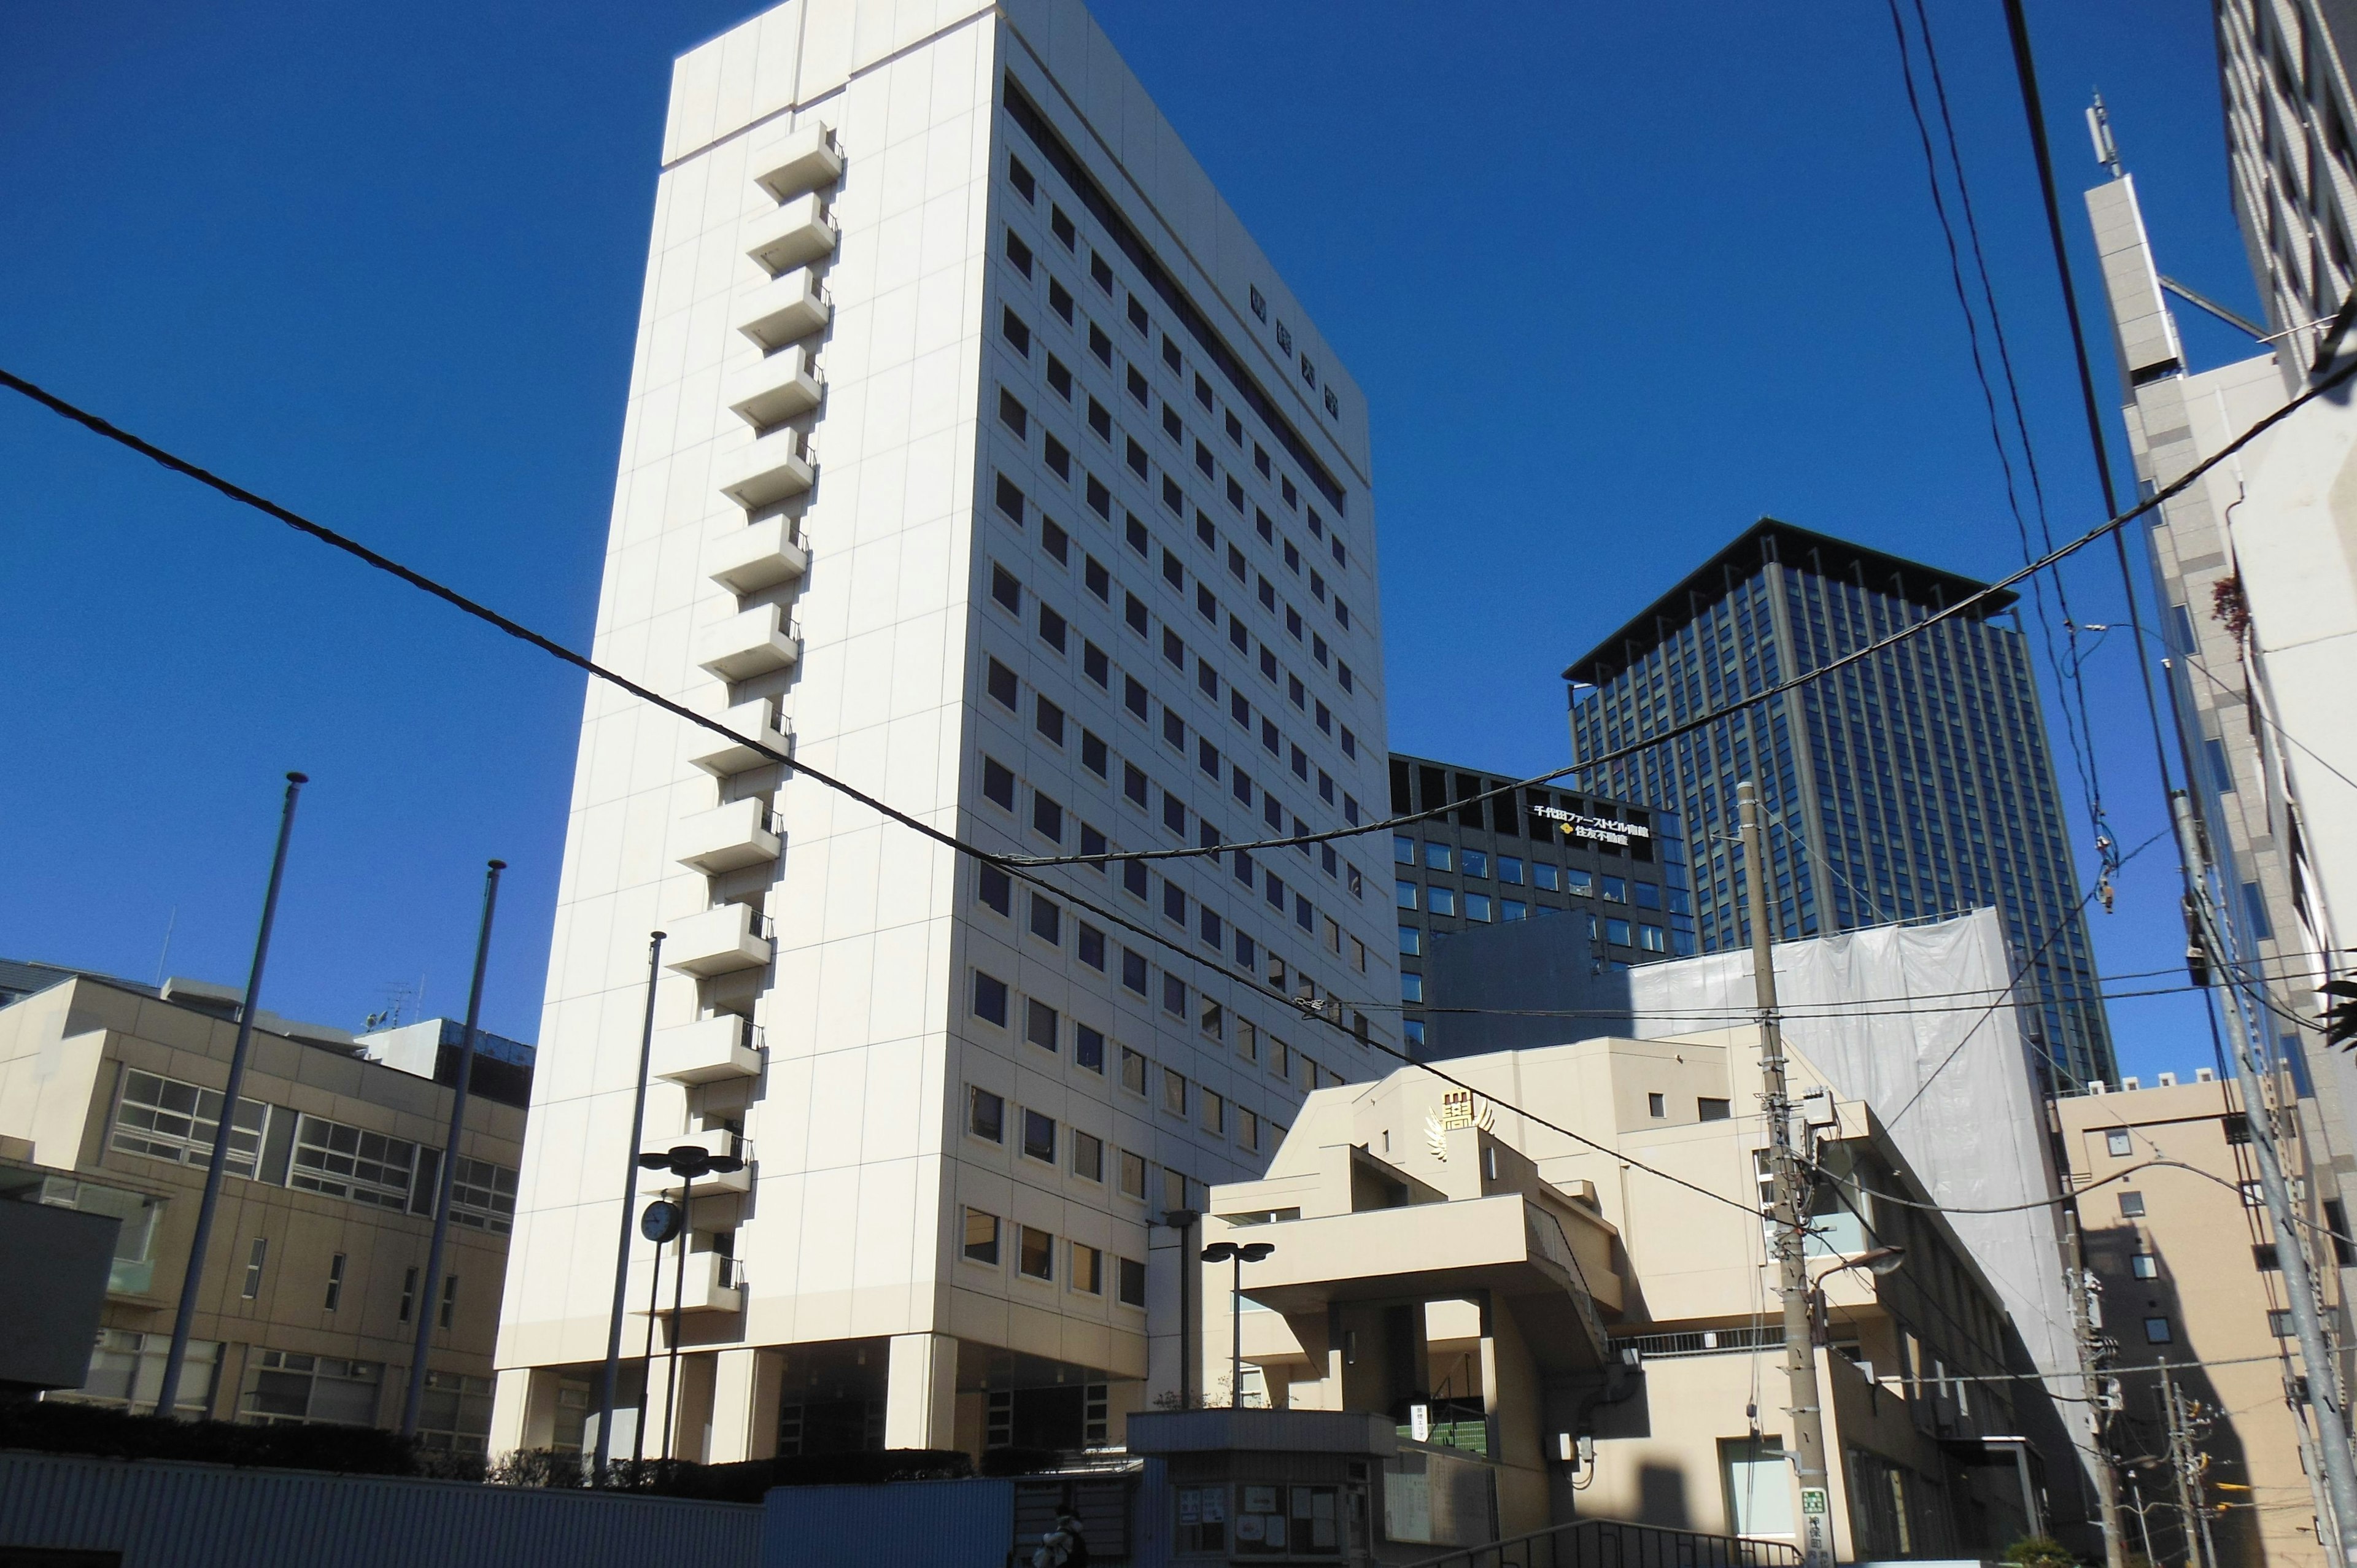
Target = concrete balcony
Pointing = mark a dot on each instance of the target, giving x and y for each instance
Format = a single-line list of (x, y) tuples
[(751, 642), (810, 158), (730, 837), (718, 1140), (709, 1283), (796, 234), (708, 1050), (719, 942), (757, 722), (1505, 1244), (773, 389), (785, 310), (758, 555), (777, 466)]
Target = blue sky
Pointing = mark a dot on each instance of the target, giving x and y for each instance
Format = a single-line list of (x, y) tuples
[(1615, 280)]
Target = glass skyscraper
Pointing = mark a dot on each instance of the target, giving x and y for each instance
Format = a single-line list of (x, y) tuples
[(1913, 785)]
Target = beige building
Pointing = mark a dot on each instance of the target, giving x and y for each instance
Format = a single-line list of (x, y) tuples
[(110, 1101), (1589, 1339), (2186, 1260)]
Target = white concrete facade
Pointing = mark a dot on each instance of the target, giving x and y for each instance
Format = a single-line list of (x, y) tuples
[(976, 451)]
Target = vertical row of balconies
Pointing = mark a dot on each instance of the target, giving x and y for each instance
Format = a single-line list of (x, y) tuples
[(764, 561)]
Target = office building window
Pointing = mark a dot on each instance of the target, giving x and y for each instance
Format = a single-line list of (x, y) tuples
[(2131, 1204), (2145, 1266), (985, 1115), (348, 1163), (287, 1389), (335, 1283), (1088, 1155), (1404, 895), (1088, 1269), (1036, 1256), (990, 998), (1039, 1136), (2118, 1144), (980, 1237), (1131, 1282), (1442, 900), (1411, 940), (2156, 1331), (256, 1257), (165, 1118)]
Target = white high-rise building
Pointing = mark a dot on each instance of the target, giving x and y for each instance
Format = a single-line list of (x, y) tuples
[(977, 453)]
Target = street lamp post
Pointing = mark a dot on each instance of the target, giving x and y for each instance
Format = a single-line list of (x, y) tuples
[(1882, 1262), (687, 1162), (1232, 1253)]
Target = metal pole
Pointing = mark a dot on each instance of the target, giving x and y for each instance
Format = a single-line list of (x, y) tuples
[(184, 1316), (2143, 1529), (1236, 1334), (1791, 1207), (2083, 1324), (2291, 1248), (622, 1243), (449, 1176), (678, 1296), (647, 1370)]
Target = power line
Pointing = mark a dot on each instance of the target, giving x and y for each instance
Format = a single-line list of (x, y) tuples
[(2078, 729), (1687, 727), (1014, 866), (2025, 66)]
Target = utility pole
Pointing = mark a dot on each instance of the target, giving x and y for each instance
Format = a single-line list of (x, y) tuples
[(1791, 1207), (2087, 1331), (2185, 1464), (2317, 1365)]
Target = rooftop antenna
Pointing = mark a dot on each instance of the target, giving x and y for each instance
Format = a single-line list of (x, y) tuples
[(165, 956), (2099, 129)]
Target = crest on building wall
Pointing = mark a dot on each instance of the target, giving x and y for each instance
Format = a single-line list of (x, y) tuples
[(1459, 1108)]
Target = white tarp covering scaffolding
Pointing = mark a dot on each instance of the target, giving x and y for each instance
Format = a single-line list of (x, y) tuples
[(1919, 1023)]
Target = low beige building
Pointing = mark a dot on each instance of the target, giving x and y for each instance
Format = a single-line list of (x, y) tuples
[(2186, 1261), (1575, 1337), (110, 1101)]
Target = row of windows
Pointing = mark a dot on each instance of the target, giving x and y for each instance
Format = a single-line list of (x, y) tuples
[(1012, 503), (1092, 199), (1509, 869), (1049, 718), (1034, 1255), (1613, 929), (1042, 1024), (1038, 1135), (1138, 384), (165, 1118), (1123, 445)]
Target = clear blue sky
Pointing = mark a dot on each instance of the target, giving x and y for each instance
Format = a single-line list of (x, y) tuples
[(1616, 281)]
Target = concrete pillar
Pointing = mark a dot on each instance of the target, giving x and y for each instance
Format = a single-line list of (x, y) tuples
[(511, 1411), (744, 1405), (921, 1392)]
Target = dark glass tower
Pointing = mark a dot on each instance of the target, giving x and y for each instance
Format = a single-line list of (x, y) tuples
[(1914, 785)]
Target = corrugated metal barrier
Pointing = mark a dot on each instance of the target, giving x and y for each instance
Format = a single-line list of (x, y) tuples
[(938, 1524), (158, 1514)]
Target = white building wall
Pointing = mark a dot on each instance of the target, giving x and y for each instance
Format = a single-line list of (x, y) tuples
[(856, 1128)]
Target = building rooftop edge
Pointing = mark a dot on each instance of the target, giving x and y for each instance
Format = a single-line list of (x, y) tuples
[(1744, 547)]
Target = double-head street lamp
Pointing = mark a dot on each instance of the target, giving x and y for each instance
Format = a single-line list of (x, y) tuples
[(1238, 1255), (687, 1162)]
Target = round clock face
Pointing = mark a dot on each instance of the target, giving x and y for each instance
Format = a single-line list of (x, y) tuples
[(662, 1221)]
